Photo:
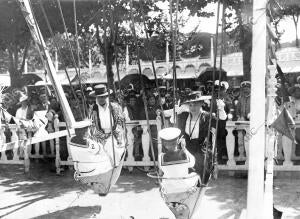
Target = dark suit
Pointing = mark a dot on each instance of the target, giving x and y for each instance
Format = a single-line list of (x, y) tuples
[(196, 146)]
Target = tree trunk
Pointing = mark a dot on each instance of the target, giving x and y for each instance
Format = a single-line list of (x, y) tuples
[(295, 19), (109, 63), (247, 63), (15, 75), (14, 72), (297, 40)]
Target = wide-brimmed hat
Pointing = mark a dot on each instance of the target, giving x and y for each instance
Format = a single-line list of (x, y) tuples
[(196, 97), (162, 87), (100, 91), (169, 134)]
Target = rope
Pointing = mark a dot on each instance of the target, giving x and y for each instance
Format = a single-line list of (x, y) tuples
[(45, 61), (109, 102), (142, 83), (115, 37), (73, 58), (150, 53), (213, 89), (214, 150), (174, 56), (76, 37), (60, 54)]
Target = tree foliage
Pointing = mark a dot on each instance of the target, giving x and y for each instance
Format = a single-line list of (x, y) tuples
[(94, 19), (292, 9)]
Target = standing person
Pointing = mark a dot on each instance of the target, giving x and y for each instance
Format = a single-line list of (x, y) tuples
[(133, 112), (243, 105), (152, 114), (108, 122), (194, 126), (221, 108), (23, 113)]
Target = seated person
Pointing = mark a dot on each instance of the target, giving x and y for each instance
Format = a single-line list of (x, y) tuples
[(175, 163)]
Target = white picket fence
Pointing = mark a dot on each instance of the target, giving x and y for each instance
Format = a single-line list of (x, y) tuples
[(239, 161)]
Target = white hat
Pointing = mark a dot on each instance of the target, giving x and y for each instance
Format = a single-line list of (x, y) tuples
[(89, 89), (169, 134), (225, 84), (217, 82), (244, 83)]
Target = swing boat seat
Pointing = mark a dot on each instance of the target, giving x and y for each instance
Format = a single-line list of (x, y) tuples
[(182, 191), (94, 162), (184, 200)]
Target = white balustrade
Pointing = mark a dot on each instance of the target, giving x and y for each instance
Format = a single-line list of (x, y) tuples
[(285, 147)]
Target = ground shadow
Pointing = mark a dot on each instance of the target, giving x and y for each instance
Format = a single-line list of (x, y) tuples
[(43, 183), (75, 212)]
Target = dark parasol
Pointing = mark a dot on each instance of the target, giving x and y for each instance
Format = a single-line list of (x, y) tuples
[(134, 79), (207, 74), (28, 79)]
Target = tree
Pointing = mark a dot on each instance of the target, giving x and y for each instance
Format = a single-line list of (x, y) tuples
[(292, 9), (14, 38), (94, 19), (240, 28)]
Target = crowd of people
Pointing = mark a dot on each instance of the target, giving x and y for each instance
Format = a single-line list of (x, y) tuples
[(230, 103)]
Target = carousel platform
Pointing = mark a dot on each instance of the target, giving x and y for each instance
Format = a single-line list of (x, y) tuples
[(43, 194)]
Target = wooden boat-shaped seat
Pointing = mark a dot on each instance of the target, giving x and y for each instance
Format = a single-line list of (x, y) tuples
[(182, 191), (94, 163)]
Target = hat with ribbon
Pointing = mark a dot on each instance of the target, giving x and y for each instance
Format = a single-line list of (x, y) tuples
[(196, 97), (100, 90)]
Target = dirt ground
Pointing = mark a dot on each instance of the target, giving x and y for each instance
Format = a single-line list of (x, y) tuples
[(43, 194)]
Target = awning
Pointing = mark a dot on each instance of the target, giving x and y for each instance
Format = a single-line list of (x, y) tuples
[(4, 80), (290, 66)]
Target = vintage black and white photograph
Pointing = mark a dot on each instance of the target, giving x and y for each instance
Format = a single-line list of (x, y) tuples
[(149, 109)]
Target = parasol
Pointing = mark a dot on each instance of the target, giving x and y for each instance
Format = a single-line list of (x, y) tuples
[(28, 79), (207, 74), (134, 79)]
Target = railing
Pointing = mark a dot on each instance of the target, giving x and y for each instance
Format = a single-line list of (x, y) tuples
[(15, 151), (238, 136), (239, 131)]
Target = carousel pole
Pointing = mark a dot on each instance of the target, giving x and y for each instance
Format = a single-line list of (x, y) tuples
[(255, 194), (271, 140)]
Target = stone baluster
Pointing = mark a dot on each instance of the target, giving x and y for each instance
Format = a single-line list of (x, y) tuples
[(246, 144), (44, 148), (145, 143), (287, 144), (241, 145), (27, 152), (51, 130), (130, 137), (2, 141), (230, 144), (14, 138), (279, 153), (159, 125), (29, 147), (57, 151)]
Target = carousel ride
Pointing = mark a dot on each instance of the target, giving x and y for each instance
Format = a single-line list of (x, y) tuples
[(99, 165)]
